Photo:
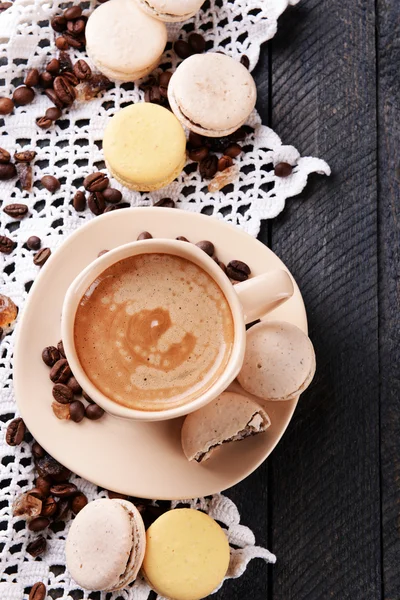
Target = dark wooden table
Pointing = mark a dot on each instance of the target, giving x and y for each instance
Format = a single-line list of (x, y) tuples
[(327, 501)]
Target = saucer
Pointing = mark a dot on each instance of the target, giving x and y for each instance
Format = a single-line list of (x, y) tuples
[(137, 459)]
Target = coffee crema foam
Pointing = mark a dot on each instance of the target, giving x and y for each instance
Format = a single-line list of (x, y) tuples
[(153, 332)]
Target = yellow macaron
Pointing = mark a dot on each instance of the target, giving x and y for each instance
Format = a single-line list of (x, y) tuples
[(144, 147), (187, 555)]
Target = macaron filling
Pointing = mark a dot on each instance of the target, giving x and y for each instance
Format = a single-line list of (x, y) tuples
[(166, 15)]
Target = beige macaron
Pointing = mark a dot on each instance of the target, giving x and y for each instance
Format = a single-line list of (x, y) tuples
[(105, 545), (229, 418), (123, 42), (212, 94), (170, 11), (279, 362)]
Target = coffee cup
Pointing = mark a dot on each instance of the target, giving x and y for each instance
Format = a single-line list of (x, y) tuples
[(106, 337)]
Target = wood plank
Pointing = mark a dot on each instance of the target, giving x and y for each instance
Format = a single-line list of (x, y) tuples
[(325, 472), (389, 288)]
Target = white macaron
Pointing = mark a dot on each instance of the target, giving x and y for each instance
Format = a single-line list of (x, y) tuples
[(170, 11)]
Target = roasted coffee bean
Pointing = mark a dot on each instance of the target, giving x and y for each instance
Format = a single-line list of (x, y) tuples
[(65, 62), (283, 169), (76, 411), (153, 95), (4, 6), (61, 43), (59, 23), (198, 154), (50, 183), (87, 397), (43, 122), (47, 466), (60, 371), (16, 211), (46, 80), (74, 385), (49, 507), (71, 78), (79, 201), (75, 42), (241, 133), (165, 203), (102, 252), (77, 27), (6, 106), (116, 495), (182, 49), (6, 245), (94, 412), (112, 195), (53, 66), (245, 61), (60, 348), (25, 175), (62, 509), (233, 150), (32, 78), (50, 356), (110, 208), (82, 70), (5, 156), (195, 140), (41, 257), (33, 242), (209, 166), (78, 502), (181, 238), (74, 12), (37, 450), (224, 163), (43, 485), (238, 270), (53, 113), (24, 156), (96, 203), (96, 182), (15, 432), (61, 411), (145, 235), (220, 264), (197, 43), (38, 524), (7, 171), (23, 95), (37, 493), (163, 83), (37, 547), (63, 490), (62, 393), (206, 246), (38, 591), (64, 90)]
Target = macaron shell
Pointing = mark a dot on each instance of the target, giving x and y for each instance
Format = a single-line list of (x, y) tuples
[(187, 555), (221, 419), (212, 93), (123, 41), (171, 11), (139, 543), (279, 362)]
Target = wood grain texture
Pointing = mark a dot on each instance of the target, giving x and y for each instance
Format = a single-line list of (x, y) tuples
[(325, 472), (389, 286)]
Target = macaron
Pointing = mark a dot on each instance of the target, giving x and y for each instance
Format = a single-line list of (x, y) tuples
[(279, 361), (144, 147), (187, 555), (123, 42), (229, 418), (212, 94), (105, 545), (170, 11)]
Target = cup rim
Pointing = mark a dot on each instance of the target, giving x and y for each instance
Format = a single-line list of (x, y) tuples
[(166, 246)]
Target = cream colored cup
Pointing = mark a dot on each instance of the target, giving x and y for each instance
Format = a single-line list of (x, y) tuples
[(248, 301)]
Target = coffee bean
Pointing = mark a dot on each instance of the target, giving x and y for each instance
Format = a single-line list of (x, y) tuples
[(5, 156), (195, 140), (245, 61), (75, 42), (32, 78), (41, 257), (112, 195), (37, 450), (59, 23), (63, 490), (53, 66), (224, 163), (16, 211), (46, 80), (38, 591), (37, 547), (116, 495), (233, 150), (163, 83), (165, 203), (7, 171), (62, 510), (60, 348), (206, 246), (33, 242), (24, 156), (181, 238), (77, 27), (65, 62), (82, 70), (38, 524), (47, 466), (209, 166), (62, 393), (61, 43), (6, 245), (49, 507), (4, 6), (43, 122), (198, 154), (61, 411), (79, 201), (15, 432), (220, 264), (60, 371), (238, 270), (87, 397), (23, 95), (94, 412), (145, 235), (102, 252), (74, 385), (51, 183), (96, 203), (197, 43), (25, 175), (6, 106), (110, 208), (50, 356), (74, 12), (71, 78), (53, 113), (153, 95), (96, 182), (78, 502), (241, 133), (76, 411), (182, 49), (43, 485), (64, 90), (37, 493), (283, 169)]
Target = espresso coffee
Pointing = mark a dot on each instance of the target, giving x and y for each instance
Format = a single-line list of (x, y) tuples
[(153, 332)]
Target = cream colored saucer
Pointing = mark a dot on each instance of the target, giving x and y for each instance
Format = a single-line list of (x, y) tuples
[(139, 459)]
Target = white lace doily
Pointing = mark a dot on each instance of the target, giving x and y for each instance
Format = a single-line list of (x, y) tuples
[(70, 150)]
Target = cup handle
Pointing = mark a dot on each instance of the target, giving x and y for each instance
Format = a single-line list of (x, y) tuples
[(259, 295)]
